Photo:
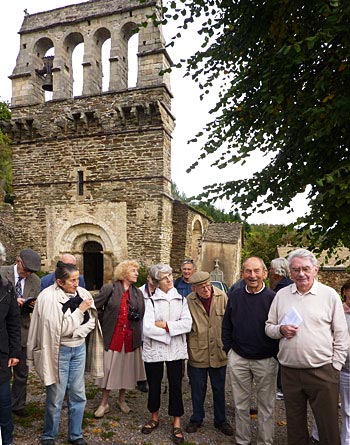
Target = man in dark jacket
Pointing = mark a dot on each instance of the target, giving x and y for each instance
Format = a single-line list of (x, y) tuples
[(10, 351)]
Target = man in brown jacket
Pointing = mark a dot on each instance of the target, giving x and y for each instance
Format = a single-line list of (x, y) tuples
[(207, 306)]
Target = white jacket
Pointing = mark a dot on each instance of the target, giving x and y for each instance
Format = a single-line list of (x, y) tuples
[(158, 344)]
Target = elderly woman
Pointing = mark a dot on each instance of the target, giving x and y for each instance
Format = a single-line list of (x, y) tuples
[(167, 320), (63, 316), (121, 308)]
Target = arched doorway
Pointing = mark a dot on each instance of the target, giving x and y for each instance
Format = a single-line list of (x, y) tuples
[(93, 265)]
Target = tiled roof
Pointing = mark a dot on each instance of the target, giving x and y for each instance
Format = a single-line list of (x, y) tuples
[(223, 232)]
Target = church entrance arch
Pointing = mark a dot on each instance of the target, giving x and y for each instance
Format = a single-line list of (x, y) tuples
[(93, 265)]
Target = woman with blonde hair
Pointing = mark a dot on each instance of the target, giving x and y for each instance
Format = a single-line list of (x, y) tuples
[(121, 308)]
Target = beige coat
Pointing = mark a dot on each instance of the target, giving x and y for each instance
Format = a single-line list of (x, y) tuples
[(204, 340), (44, 337)]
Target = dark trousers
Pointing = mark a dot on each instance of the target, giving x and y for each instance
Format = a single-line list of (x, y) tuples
[(6, 422), (198, 380), (154, 373), (319, 386), (19, 384)]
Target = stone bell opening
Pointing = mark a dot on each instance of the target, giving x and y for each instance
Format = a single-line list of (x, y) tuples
[(93, 265)]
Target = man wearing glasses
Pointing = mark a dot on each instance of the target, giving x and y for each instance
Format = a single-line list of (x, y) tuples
[(309, 319), (27, 288), (182, 284)]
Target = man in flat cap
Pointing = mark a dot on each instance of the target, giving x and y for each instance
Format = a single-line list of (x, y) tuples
[(27, 287), (207, 306)]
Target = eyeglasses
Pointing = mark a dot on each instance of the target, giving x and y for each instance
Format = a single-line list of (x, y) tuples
[(167, 277), (187, 262), (306, 269)]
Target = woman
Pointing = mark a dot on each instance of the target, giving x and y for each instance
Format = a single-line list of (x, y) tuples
[(121, 308), (167, 320), (63, 316)]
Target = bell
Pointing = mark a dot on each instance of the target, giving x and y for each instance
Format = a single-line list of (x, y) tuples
[(48, 83)]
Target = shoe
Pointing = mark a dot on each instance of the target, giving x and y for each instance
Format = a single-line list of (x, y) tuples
[(79, 441), (279, 395), (192, 427), (225, 428), (47, 442), (149, 426), (20, 412), (124, 408), (142, 386), (101, 411), (177, 435)]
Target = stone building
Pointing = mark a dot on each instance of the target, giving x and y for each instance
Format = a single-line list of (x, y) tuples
[(91, 173)]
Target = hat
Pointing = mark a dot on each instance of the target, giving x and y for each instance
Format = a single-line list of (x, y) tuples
[(199, 278), (31, 260)]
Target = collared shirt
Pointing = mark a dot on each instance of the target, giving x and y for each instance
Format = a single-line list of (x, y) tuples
[(258, 292), (23, 280)]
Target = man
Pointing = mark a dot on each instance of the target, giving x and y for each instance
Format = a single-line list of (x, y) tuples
[(27, 288), (10, 351), (182, 284), (207, 305), (280, 277), (251, 354), (310, 317), (49, 279)]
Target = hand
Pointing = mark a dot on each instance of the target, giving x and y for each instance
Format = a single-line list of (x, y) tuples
[(288, 331), (85, 304), (20, 301), (12, 362), (160, 324), (32, 304)]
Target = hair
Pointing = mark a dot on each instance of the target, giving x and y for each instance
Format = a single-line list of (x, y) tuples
[(344, 287), (2, 252), (159, 268), (63, 270), (280, 267), (258, 258), (68, 258), (302, 253), (122, 268), (188, 261)]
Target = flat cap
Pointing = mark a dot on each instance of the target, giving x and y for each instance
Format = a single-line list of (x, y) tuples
[(199, 278), (31, 260)]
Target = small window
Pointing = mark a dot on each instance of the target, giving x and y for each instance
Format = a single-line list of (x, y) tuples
[(80, 183)]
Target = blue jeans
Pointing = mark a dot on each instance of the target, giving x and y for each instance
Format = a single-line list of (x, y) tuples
[(71, 380), (198, 380), (6, 422)]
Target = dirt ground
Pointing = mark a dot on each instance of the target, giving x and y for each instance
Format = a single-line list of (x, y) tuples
[(117, 428)]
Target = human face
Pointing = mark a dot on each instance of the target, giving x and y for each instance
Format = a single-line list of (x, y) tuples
[(131, 274), (203, 290), (187, 271), (303, 273), (22, 271), (166, 281), (254, 274), (71, 284)]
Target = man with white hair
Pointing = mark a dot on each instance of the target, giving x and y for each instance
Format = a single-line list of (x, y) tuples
[(49, 279), (10, 351), (309, 319)]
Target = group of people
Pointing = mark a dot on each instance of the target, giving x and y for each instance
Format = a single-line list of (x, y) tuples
[(127, 335)]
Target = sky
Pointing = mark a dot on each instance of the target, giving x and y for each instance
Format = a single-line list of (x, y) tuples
[(191, 113)]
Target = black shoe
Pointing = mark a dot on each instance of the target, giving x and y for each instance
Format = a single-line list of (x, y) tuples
[(225, 428), (79, 441), (20, 412), (192, 427), (142, 386), (47, 442)]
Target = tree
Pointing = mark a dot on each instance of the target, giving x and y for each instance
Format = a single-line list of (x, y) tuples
[(284, 76), (5, 155)]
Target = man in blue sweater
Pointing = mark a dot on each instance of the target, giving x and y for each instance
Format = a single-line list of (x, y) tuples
[(250, 352)]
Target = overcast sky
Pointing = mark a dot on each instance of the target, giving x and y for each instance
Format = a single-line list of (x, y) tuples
[(191, 114)]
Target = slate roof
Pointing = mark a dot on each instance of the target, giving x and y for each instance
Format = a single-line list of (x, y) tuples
[(226, 232)]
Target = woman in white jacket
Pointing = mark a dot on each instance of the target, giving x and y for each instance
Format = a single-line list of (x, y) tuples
[(167, 320)]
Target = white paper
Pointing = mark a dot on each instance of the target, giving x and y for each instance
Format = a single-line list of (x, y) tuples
[(292, 317)]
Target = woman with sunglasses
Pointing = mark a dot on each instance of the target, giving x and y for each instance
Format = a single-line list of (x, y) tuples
[(166, 322)]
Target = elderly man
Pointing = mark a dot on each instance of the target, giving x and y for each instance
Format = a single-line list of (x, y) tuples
[(182, 284), (251, 354), (206, 357), (49, 279), (309, 318), (10, 351), (27, 287)]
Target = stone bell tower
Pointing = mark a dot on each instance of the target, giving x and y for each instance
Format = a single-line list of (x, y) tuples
[(91, 173)]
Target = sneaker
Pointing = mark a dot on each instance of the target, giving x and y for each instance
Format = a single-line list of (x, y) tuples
[(79, 441), (192, 427), (225, 428), (279, 395)]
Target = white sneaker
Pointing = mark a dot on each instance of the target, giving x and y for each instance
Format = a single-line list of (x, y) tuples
[(101, 411)]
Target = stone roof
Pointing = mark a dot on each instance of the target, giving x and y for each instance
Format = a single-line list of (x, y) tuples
[(338, 261), (223, 232)]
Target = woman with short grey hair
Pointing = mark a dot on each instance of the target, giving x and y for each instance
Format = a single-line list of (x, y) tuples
[(280, 267)]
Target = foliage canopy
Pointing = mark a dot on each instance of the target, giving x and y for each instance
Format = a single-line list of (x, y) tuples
[(284, 74)]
